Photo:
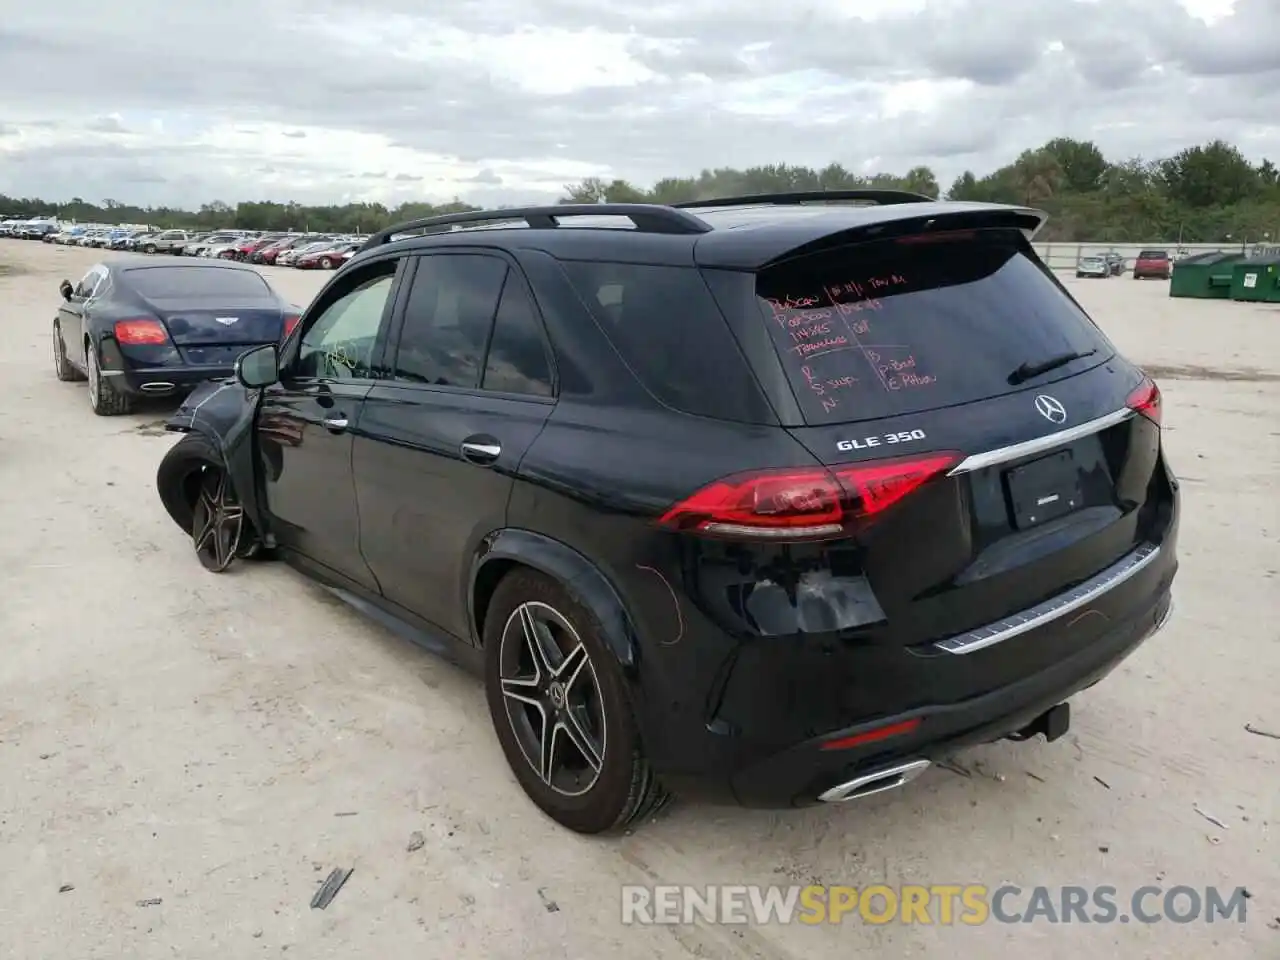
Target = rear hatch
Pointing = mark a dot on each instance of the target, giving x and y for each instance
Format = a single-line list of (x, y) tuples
[(983, 428), (212, 314), (1151, 261)]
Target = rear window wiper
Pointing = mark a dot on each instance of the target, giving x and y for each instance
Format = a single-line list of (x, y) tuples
[(1028, 370)]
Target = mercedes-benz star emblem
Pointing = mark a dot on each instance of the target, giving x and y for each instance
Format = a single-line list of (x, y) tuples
[(1051, 409)]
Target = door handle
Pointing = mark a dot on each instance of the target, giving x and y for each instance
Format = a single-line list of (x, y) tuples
[(483, 452), (336, 424)]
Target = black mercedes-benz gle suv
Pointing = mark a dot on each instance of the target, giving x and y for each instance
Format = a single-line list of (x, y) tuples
[(775, 499)]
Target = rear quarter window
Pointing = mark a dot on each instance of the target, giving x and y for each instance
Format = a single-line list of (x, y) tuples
[(901, 326), (668, 329)]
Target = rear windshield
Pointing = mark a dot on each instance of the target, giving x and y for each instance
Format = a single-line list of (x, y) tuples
[(1154, 255), (899, 326), (176, 283)]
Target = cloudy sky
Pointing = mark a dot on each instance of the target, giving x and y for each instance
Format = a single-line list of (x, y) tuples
[(156, 101)]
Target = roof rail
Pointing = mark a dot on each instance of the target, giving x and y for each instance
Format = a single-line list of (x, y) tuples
[(648, 218), (811, 196)]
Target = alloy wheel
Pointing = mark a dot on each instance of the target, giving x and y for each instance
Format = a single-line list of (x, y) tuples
[(553, 698), (217, 521), (59, 354)]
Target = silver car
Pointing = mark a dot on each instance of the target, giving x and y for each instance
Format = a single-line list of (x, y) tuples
[(1093, 267)]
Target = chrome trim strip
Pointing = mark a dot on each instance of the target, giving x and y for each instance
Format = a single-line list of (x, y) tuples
[(1029, 447), (1059, 606)]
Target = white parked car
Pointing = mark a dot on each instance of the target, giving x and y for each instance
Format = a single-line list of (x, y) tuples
[(221, 247)]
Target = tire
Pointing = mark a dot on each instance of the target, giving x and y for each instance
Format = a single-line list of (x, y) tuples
[(585, 797), (104, 399), (149, 248), (61, 365), (326, 263), (190, 479)]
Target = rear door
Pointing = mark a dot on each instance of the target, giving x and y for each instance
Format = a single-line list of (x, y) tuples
[(439, 442), (957, 381)]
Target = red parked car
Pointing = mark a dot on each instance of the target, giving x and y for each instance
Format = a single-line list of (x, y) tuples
[(330, 259), (1153, 263), (244, 250), (268, 253)]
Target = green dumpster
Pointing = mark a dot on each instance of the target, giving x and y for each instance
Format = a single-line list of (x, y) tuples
[(1205, 276), (1257, 279)]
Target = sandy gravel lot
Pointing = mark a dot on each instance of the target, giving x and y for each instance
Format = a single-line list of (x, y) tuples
[(184, 757)]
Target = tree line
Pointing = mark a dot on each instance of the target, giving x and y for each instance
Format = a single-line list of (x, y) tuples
[(1203, 194)]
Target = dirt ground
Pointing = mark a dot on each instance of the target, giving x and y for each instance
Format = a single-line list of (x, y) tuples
[(184, 757)]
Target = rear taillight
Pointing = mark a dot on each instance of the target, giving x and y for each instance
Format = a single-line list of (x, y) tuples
[(291, 323), (803, 503), (1145, 400), (140, 332)]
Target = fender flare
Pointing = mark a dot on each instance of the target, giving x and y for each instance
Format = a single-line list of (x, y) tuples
[(579, 576)]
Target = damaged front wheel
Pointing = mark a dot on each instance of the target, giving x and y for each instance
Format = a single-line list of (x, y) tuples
[(217, 521), (200, 496)]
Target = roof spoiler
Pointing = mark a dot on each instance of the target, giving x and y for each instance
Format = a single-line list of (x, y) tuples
[(748, 249), (879, 197)]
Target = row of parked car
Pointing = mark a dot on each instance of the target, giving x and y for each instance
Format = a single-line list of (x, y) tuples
[(305, 251), (318, 251), (1153, 264)]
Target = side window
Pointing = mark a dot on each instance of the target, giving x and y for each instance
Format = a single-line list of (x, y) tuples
[(339, 344), (517, 360), (448, 319), (84, 289), (668, 329)]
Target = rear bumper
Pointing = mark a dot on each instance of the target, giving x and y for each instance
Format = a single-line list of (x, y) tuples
[(798, 776), (769, 752), (165, 381)]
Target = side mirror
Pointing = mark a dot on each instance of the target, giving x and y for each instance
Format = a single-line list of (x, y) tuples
[(259, 367), (66, 289)]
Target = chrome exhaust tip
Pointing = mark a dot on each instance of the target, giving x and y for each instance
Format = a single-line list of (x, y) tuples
[(158, 387), (876, 781)]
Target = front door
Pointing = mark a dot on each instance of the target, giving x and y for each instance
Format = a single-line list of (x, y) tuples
[(306, 422), (469, 390), (71, 314)]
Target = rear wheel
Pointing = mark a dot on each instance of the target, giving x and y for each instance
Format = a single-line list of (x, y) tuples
[(61, 365), (560, 710), (104, 399), (326, 263), (149, 248)]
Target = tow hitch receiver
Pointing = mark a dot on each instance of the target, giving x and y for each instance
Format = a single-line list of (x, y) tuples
[(1053, 723)]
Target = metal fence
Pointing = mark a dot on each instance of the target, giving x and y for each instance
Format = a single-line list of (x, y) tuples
[(1065, 256)]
